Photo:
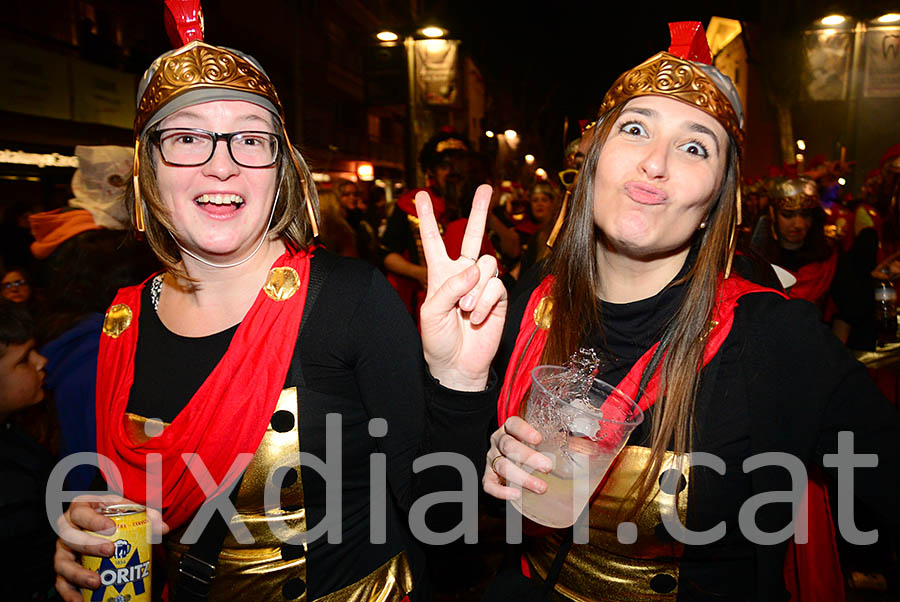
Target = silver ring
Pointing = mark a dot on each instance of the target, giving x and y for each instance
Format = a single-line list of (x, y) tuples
[(496, 272), (467, 257)]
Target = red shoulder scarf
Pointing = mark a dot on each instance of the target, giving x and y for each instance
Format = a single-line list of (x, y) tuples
[(227, 416), (812, 571), (531, 340)]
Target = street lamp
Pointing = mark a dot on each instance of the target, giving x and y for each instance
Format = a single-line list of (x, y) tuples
[(889, 18), (833, 20), (510, 135), (529, 159), (801, 144), (433, 31), (365, 171), (413, 106), (489, 133)]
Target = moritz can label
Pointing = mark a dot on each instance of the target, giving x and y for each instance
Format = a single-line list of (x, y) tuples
[(125, 577)]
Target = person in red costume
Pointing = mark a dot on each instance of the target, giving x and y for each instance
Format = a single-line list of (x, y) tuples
[(442, 158), (792, 236), (887, 194), (641, 273), (254, 347)]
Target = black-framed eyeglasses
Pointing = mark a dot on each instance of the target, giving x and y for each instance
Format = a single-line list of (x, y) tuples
[(14, 284), (191, 147)]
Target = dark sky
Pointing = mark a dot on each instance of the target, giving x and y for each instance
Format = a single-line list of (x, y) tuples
[(543, 61)]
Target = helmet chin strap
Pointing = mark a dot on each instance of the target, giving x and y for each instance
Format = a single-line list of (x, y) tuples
[(245, 259)]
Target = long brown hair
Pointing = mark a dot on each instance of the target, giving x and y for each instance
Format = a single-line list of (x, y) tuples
[(576, 306), (290, 221)]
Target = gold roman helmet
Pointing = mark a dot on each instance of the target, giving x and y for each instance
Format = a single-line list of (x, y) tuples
[(686, 73), (795, 194), (195, 73)]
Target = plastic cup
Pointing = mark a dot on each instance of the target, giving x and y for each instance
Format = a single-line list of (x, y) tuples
[(581, 435)]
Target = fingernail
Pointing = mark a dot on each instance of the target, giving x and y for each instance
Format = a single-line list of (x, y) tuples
[(467, 302), (541, 486), (107, 549), (475, 317)]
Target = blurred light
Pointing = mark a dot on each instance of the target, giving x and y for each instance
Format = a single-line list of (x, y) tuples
[(541, 173), (321, 177), (801, 144), (889, 18), (842, 181), (529, 159), (380, 183), (829, 32), (20, 178), (510, 134), (52, 160), (433, 32), (387, 36), (799, 157), (366, 172), (489, 133), (833, 20)]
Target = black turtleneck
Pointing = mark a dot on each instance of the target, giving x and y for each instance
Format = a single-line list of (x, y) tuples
[(628, 330)]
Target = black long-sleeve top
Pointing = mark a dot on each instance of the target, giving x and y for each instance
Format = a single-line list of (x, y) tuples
[(359, 355)]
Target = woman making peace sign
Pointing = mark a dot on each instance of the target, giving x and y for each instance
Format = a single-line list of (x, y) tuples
[(254, 347)]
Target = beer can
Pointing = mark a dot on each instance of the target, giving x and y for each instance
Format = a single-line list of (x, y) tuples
[(125, 576)]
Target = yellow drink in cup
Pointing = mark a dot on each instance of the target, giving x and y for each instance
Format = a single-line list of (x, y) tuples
[(581, 436)]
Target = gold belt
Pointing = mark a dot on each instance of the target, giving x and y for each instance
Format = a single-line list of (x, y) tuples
[(606, 569)]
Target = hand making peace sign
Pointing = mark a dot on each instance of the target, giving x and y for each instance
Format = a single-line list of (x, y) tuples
[(465, 303)]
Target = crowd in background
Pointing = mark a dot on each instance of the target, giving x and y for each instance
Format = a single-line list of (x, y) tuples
[(62, 268), (832, 247)]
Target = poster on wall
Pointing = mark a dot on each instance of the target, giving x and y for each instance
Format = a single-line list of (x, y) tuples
[(882, 52), (34, 81), (827, 53), (436, 71), (102, 95)]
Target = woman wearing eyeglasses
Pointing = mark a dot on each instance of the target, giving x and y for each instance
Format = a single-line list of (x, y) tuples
[(15, 286), (256, 365)]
